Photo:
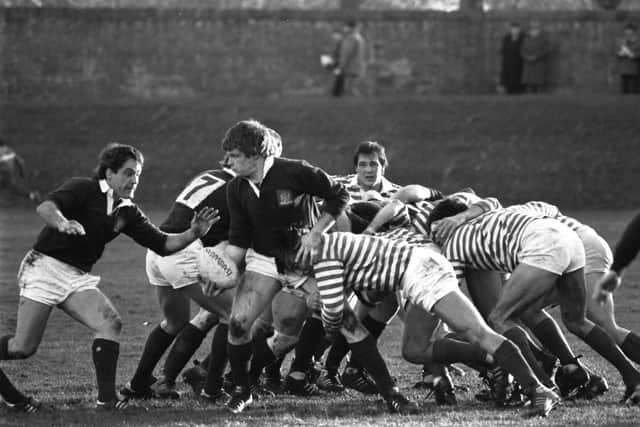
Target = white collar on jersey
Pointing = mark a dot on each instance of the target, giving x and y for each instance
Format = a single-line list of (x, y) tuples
[(386, 186), (268, 164), (104, 187)]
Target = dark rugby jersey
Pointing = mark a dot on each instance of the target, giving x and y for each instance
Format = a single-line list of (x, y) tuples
[(83, 200), (208, 189), (628, 246), (285, 201)]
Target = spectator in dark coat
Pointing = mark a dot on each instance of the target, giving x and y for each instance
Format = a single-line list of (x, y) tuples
[(535, 53), (511, 71), (629, 60), (352, 63)]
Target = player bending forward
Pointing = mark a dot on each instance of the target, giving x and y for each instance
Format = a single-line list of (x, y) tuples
[(423, 278)]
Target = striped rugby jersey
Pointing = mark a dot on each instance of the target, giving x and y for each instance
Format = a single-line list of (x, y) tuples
[(550, 211), (387, 188), (358, 261), (488, 242), (419, 212)]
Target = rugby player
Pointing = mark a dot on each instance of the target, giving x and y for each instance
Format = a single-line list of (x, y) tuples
[(176, 279), (269, 195), (423, 278), (546, 261), (81, 217)]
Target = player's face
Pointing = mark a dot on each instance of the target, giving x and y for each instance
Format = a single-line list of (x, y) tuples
[(370, 171), (242, 164), (125, 181)]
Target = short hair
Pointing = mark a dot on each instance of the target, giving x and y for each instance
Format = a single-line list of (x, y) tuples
[(252, 138), (351, 23), (361, 214), (444, 209), (371, 147), (113, 156), (631, 26)]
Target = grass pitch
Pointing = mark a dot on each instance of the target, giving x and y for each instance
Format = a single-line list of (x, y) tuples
[(61, 372)]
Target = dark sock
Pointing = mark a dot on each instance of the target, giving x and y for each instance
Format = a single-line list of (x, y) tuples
[(105, 359), (239, 356), (157, 343), (366, 351), (553, 339), (631, 346), (205, 362), (4, 347), (312, 332), (519, 338), (8, 391), (374, 326), (262, 356), (602, 342), (509, 357), (273, 369), (185, 346), (337, 352), (447, 351), (217, 360)]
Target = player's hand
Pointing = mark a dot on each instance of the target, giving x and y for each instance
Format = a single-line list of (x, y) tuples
[(313, 301), (605, 286), (203, 220), (309, 247), (72, 227), (209, 288), (369, 231), (442, 229)]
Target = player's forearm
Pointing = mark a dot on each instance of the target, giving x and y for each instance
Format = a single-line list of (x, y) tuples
[(51, 215), (628, 246), (386, 214), (177, 242), (325, 222)]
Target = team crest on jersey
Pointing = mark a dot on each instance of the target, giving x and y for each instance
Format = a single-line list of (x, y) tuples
[(285, 198)]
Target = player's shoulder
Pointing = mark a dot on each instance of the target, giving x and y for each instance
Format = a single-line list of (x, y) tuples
[(80, 183)]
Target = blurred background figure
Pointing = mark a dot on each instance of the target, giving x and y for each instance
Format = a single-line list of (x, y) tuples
[(511, 70), (338, 78), (629, 60), (13, 175), (352, 62), (535, 55)]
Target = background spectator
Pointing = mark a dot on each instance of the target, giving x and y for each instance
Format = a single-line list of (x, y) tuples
[(352, 63), (535, 54), (629, 60), (511, 71)]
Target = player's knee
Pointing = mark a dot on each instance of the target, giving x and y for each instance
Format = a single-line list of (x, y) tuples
[(288, 325), (281, 343), (497, 321), (237, 327)]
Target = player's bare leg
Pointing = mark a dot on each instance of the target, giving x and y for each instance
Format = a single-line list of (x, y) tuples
[(94, 310), (468, 322), (253, 295), (572, 297)]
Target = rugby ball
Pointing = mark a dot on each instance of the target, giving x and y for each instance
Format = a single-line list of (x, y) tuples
[(216, 266)]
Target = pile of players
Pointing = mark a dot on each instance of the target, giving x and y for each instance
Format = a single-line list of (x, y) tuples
[(327, 262)]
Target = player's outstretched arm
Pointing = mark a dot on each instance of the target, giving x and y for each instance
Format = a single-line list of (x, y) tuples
[(54, 218), (200, 225)]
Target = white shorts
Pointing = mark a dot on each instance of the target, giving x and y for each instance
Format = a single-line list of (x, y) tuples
[(176, 270), (428, 278), (49, 281), (266, 266), (598, 256), (549, 245)]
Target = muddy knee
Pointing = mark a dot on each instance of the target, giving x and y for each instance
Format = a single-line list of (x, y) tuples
[(238, 327)]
